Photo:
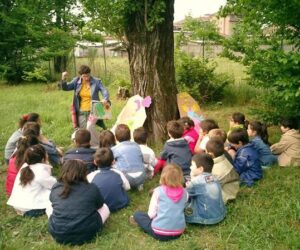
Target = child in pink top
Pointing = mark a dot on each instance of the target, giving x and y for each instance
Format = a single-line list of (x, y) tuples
[(190, 134)]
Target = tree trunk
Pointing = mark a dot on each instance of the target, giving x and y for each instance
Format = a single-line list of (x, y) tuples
[(60, 64), (151, 62)]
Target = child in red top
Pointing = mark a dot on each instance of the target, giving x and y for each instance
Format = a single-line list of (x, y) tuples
[(190, 134)]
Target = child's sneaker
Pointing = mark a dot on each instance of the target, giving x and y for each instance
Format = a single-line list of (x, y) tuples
[(132, 221)]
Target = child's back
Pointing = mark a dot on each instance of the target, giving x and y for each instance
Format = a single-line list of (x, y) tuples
[(227, 176), (266, 157), (288, 147), (111, 183), (246, 163), (206, 205)]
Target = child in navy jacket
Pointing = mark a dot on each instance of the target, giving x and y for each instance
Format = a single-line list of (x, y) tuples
[(246, 161), (111, 182)]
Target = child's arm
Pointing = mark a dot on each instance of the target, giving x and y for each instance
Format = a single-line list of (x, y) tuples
[(126, 184), (280, 146), (240, 164), (152, 211)]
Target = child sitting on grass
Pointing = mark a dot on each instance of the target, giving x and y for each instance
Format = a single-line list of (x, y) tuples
[(111, 182), (221, 134), (205, 127), (223, 169), (246, 160), (30, 194), (128, 157), (165, 218), (82, 150), (189, 133), (17, 159), (176, 150), (237, 121), (79, 211), (106, 139), (288, 148), (205, 204), (259, 138), (140, 136), (13, 139)]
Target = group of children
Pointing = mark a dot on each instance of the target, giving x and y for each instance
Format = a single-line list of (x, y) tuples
[(201, 172)]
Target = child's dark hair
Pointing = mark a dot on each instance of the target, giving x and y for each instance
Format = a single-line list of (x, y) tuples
[(32, 128), (31, 117), (186, 122), (215, 146), (175, 129), (289, 122), (104, 157), (205, 161), (106, 139), (122, 133), (238, 135), (34, 154), (84, 69), (24, 142), (83, 138), (72, 172), (239, 118), (261, 130), (140, 135), (208, 125)]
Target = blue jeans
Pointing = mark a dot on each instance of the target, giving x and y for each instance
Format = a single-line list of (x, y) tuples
[(144, 221)]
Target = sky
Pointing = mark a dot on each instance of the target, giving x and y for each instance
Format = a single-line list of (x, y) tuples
[(196, 8)]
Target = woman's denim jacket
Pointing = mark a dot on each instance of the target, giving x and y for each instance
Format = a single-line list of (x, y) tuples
[(206, 204)]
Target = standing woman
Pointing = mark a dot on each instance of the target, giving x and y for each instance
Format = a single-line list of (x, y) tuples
[(86, 89)]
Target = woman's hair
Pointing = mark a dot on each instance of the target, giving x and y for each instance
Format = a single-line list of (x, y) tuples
[(84, 69), (31, 117), (140, 135), (34, 154), (171, 176), (122, 133), (208, 125), (24, 142), (175, 129), (103, 157), (186, 122), (72, 172), (261, 130), (83, 138), (32, 128), (238, 135), (107, 139)]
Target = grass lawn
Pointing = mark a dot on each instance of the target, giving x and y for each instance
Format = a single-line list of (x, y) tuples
[(266, 216)]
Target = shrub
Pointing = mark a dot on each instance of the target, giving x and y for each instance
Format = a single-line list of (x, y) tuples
[(198, 77)]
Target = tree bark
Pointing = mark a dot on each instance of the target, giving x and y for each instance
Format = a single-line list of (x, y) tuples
[(151, 62)]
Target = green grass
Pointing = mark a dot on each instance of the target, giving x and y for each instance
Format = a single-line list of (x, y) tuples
[(266, 216)]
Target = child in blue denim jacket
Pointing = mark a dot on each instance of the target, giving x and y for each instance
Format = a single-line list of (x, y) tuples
[(259, 138), (128, 157), (206, 204), (246, 160)]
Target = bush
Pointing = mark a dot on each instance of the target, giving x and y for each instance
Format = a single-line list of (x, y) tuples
[(198, 77), (40, 74)]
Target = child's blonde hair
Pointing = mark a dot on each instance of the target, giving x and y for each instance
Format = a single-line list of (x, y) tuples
[(171, 176), (219, 133)]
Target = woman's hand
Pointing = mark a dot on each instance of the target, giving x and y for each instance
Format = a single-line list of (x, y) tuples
[(64, 75)]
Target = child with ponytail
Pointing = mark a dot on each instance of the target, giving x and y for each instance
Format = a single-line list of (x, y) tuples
[(30, 194), (258, 134), (13, 139), (17, 159)]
